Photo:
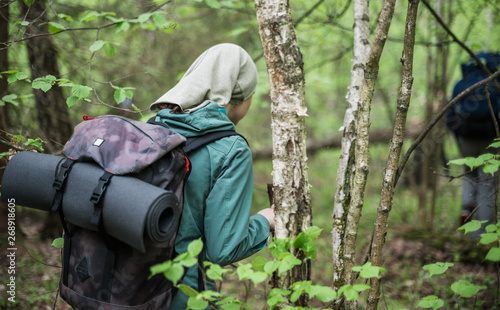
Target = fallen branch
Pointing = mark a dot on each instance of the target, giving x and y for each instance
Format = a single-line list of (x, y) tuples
[(376, 136)]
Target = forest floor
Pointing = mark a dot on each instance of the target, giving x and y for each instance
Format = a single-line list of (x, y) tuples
[(404, 282)]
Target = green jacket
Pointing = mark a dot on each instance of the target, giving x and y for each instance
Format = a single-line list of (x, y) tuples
[(217, 195)]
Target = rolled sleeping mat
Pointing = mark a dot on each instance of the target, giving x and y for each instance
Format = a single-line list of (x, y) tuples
[(133, 211)]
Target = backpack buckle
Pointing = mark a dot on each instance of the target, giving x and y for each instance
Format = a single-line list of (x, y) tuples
[(62, 174), (97, 195)]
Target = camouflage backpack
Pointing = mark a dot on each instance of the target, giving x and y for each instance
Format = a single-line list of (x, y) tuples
[(99, 270)]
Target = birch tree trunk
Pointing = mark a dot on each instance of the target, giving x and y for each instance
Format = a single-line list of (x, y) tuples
[(291, 190), (345, 172), (385, 205), (361, 150)]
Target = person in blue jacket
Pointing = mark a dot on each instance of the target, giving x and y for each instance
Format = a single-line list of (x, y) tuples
[(215, 94)]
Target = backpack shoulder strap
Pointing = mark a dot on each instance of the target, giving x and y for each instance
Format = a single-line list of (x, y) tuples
[(194, 143)]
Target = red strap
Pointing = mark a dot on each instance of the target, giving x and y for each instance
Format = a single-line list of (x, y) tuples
[(187, 164), (86, 117)]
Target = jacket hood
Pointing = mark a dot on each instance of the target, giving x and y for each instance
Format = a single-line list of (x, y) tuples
[(207, 119)]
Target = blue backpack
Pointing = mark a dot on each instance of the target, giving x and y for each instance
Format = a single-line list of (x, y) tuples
[(471, 117)]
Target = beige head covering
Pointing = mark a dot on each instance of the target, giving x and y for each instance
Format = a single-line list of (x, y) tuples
[(224, 73)]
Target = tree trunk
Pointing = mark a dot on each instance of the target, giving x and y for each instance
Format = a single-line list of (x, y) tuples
[(389, 181), (343, 254), (53, 117), (4, 120), (54, 123), (291, 187)]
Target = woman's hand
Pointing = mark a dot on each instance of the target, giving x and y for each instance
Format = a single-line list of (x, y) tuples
[(268, 213)]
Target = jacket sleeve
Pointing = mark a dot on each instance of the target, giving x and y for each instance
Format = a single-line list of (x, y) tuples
[(230, 233)]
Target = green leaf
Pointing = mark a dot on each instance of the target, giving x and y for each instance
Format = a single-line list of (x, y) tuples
[(288, 262), (486, 156), (189, 291), (215, 272), (304, 242), (368, 271), (10, 98), (490, 168), (97, 45), (122, 27), (323, 293), (313, 232), (89, 15), (471, 226), (58, 243), (214, 4), (174, 273), (37, 143), (160, 20), (489, 238), (258, 277), (349, 292), (143, 17), (437, 268), (195, 247), (471, 162), (55, 27), (121, 94), (29, 2), (361, 287), (280, 246), (244, 271), (300, 288), (259, 262), (465, 288), (109, 49), (71, 101), (493, 255), (24, 23), (495, 144), (431, 302), (275, 297), (16, 76), (41, 84), (81, 91), (197, 303), (160, 268), (65, 17), (271, 266), (186, 259)]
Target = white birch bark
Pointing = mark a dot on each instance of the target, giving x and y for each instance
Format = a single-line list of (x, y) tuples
[(345, 172), (291, 192)]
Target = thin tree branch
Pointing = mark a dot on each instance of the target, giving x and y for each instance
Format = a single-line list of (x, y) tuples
[(439, 116), (98, 28), (13, 146)]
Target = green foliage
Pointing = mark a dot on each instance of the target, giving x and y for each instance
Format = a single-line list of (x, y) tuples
[(368, 271), (466, 289), (489, 162), (437, 268), (431, 301), (258, 271), (58, 243)]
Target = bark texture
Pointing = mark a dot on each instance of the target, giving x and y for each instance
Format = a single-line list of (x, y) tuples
[(343, 254), (291, 189), (389, 180), (53, 118), (361, 148)]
